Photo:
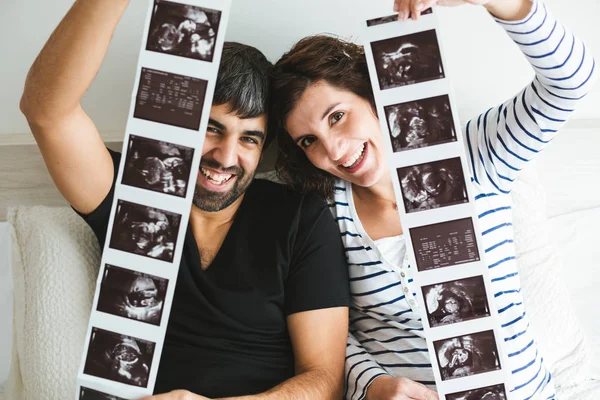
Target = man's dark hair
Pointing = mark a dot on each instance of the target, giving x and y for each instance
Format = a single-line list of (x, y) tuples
[(243, 82)]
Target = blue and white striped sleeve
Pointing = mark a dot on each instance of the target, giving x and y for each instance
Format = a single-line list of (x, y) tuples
[(361, 370), (500, 141)]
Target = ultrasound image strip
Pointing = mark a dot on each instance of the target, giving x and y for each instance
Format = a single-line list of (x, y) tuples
[(132, 295), (456, 301), (413, 97), (158, 166), (170, 99), (408, 59), (444, 244), (127, 325)]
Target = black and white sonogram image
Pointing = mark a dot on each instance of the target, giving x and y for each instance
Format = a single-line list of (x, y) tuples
[(467, 355), (408, 59), (133, 295), (456, 301), (495, 392), (420, 123), (444, 244), (392, 18), (119, 358), (433, 185), (90, 394), (158, 166), (145, 231), (170, 99), (183, 30)]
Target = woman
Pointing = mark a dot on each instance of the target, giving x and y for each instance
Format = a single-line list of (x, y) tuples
[(330, 141)]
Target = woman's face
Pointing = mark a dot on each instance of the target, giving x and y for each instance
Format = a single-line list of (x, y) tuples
[(340, 134)]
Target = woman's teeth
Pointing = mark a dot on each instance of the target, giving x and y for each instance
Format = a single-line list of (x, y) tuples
[(219, 179), (355, 157)]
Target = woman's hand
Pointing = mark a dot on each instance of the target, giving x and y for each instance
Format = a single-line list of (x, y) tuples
[(387, 387), (504, 9)]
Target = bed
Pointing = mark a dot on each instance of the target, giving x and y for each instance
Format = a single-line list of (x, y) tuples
[(55, 262)]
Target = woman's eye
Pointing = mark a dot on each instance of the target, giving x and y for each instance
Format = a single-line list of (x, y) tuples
[(307, 141), (336, 117), (250, 140)]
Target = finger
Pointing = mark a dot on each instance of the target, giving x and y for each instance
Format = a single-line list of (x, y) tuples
[(421, 392), (404, 12), (419, 6)]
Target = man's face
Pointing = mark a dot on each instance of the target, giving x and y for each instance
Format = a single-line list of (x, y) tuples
[(232, 151)]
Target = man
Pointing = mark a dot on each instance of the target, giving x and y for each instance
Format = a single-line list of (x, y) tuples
[(260, 306)]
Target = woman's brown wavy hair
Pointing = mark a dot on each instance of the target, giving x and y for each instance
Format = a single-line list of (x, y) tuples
[(341, 64)]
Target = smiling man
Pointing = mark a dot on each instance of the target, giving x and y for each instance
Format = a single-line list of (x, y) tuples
[(260, 306)]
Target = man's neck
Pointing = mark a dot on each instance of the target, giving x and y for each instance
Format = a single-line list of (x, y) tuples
[(209, 221), (210, 230)]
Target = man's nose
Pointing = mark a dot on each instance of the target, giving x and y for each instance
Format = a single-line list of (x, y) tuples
[(226, 153)]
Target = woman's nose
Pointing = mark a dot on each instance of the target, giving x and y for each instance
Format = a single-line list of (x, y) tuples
[(336, 148)]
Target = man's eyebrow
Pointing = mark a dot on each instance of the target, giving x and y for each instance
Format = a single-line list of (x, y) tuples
[(257, 134), (217, 124), (326, 113)]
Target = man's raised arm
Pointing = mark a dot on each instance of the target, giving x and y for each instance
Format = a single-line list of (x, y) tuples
[(73, 150)]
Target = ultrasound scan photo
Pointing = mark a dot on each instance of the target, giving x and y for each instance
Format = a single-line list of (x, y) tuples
[(183, 30), (132, 295), (444, 244), (119, 358), (467, 355), (496, 392), (407, 60), (393, 18), (420, 123), (433, 185), (145, 231), (158, 166), (456, 301), (89, 394)]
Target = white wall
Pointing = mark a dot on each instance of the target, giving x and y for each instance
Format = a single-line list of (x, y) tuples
[(484, 66)]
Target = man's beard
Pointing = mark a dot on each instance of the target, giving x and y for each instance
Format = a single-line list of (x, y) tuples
[(209, 201)]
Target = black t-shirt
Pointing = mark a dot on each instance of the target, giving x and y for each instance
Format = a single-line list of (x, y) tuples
[(227, 333)]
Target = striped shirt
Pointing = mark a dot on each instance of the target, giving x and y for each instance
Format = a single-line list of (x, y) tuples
[(386, 332)]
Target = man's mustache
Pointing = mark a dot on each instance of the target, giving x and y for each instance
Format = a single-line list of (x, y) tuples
[(212, 164)]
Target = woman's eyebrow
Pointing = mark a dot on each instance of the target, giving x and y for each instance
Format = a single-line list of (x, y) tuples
[(326, 113)]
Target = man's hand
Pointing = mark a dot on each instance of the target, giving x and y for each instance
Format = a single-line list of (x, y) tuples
[(177, 395), (504, 9), (387, 387)]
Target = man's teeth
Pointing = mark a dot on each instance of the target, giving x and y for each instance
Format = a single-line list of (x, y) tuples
[(354, 157), (217, 178)]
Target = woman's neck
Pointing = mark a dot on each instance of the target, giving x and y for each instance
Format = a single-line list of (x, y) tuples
[(383, 190)]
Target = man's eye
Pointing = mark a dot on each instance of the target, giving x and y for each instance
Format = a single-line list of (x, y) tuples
[(336, 117), (307, 141), (250, 140), (212, 130)]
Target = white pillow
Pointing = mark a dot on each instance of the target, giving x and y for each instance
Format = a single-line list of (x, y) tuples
[(54, 286), (547, 302)]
